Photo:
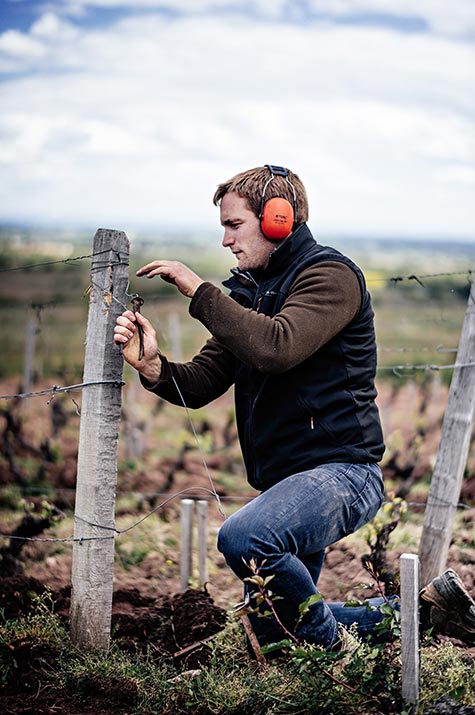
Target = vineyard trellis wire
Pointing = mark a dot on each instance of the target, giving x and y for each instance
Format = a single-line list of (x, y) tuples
[(395, 369), (100, 265)]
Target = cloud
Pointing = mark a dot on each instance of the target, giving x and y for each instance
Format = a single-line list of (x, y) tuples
[(454, 18), (19, 50), (138, 120), (50, 28)]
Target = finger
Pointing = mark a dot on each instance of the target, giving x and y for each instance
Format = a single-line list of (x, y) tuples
[(167, 278), (147, 268), (122, 339), (122, 334), (126, 321), (142, 320), (162, 271)]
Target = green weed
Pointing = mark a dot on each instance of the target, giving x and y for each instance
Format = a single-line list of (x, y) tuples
[(362, 680)]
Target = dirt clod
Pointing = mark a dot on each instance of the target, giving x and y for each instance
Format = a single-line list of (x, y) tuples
[(175, 627)]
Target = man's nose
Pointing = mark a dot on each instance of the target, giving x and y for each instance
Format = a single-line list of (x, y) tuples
[(227, 239)]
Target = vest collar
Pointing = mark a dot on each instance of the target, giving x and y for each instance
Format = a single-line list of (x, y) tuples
[(286, 253)]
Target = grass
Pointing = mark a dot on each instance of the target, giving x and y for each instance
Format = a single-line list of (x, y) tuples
[(305, 680)]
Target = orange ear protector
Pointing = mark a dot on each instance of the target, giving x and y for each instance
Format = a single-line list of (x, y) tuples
[(277, 215)]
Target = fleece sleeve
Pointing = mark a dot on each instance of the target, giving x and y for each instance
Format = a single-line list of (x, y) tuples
[(321, 302), (195, 383)]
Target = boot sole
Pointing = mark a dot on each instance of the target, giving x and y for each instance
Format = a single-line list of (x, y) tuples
[(448, 587)]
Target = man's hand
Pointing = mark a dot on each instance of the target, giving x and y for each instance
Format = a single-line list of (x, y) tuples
[(126, 333), (173, 272)]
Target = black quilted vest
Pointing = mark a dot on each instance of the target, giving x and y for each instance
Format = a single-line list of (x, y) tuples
[(322, 410)]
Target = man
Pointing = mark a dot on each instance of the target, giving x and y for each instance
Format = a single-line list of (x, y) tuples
[(295, 337)]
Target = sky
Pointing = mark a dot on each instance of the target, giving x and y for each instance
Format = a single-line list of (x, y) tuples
[(127, 115)]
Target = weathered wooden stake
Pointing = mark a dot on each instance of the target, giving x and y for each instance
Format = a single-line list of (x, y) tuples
[(133, 429), (202, 510), (451, 459), (93, 554), (186, 563), (409, 570), (31, 333)]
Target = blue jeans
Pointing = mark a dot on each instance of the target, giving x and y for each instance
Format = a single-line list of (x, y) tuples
[(286, 530)]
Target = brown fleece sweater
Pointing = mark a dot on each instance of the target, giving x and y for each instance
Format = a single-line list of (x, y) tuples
[(322, 301)]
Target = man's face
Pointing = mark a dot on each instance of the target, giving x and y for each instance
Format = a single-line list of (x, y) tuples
[(242, 233)]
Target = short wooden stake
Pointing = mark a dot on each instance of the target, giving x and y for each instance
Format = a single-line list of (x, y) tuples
[(409, 570), (186, 561), (253, 639), (202, 511)]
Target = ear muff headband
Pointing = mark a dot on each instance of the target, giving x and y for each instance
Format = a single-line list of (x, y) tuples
[(277, 215)]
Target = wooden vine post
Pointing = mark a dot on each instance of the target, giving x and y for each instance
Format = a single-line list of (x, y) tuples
[(186, 560), (31, 334), (202, 512), (93, 549), (452, 455), (410, 655), (186, 557)]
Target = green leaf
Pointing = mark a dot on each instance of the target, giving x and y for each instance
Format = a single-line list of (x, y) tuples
[(305, 605), (285, 643), (355, 602)]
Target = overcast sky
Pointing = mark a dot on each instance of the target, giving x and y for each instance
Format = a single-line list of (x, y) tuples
[(128, 114)]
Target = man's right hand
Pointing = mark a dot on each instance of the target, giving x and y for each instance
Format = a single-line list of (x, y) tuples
[(126, 333)]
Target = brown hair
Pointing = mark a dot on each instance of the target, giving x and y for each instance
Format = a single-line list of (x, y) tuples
[(250, 185)]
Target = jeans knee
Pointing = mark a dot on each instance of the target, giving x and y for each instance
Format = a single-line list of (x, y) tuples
[(227, 540), (236, 545)]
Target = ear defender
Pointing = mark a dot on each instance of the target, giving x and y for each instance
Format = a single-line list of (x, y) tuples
[(277, 215)]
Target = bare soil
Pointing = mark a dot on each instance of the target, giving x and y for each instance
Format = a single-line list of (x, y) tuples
[(149, 611)]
